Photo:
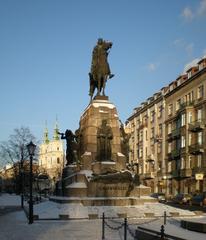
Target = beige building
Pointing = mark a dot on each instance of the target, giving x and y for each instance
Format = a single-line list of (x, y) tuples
[(51, 155), (168, 135)]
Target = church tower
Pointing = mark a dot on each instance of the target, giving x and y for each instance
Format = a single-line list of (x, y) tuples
[(51, 157)]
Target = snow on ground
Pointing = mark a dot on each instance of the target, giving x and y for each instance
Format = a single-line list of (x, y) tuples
[(14, 226), (51, 209), (10, 200), (173, 228)]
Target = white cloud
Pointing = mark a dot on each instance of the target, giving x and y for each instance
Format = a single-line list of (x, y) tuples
[(202, 8), (152, 67), (187, 14), (191, 64), (189, 48), (181, 43)]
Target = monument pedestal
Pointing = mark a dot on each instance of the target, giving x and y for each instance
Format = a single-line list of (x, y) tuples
[(98, 110), (100, 177)]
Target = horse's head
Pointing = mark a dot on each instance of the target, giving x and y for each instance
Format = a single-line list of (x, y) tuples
[(107, 45)]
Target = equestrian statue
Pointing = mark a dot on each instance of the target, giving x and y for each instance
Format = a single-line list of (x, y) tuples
[(100, 70)]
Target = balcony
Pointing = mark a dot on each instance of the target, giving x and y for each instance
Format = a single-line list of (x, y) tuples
[(150, 158), (176, 133), (186, 104), (174, 154), (196, 170), (197, 126), (149, 175), (143, 124), (185, 173), (175, 173), (169, 137), (169, 157), (196, 149)]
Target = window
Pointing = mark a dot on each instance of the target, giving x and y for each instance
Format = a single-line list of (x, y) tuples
[(183, 118), (201, 66), (200, 92), (199, 114), (189, 162), (152, 148), (152, 116), (189, 75), (169, 128), (140, 152), (189, 117), (190, 97), (170, 109), (146, 135), (169, 166), (178, 102), (199, 138), (199, 160), (152, 132), (140, 169), (169, 147), (160, 130), (190, 139), (140, 135), (182, 163), (182, 141), (57, 148), (58, 160), (159, 147), (178, 82), (160, 108)]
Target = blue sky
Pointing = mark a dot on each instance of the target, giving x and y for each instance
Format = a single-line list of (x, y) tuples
[(46, 46)]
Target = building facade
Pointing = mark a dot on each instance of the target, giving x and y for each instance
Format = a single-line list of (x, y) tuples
[(168, 135), (51, 155)]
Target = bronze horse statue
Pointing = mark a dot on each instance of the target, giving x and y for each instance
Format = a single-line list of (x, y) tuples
[(100, 70)]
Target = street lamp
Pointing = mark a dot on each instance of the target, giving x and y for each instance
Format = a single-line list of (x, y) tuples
[(31, 149)]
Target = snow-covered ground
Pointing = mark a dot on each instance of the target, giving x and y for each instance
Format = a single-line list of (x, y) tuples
[(9, 200), (51, 209), (14, 226)]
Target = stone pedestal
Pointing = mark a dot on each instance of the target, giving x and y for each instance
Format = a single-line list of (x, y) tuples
[(99, 109), (100, 179), (104, 167)]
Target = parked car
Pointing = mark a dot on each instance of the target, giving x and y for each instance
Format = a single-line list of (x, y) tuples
[(199, 199), (182, 198), (160, 196)]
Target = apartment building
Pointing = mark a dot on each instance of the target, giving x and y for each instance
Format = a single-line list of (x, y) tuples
[(168, 135)]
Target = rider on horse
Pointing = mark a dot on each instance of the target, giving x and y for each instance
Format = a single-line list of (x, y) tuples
[(100, 70)]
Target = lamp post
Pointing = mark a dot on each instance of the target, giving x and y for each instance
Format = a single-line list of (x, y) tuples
[(22, 177), (31, 149)]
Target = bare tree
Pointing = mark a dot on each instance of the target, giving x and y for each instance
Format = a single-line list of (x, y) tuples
[(14, 151), (15, 148)]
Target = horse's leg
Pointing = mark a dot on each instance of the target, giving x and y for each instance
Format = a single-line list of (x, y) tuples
[(104, 84), (99, 86)]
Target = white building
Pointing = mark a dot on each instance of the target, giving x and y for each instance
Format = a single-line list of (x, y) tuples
[(51, 155)]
